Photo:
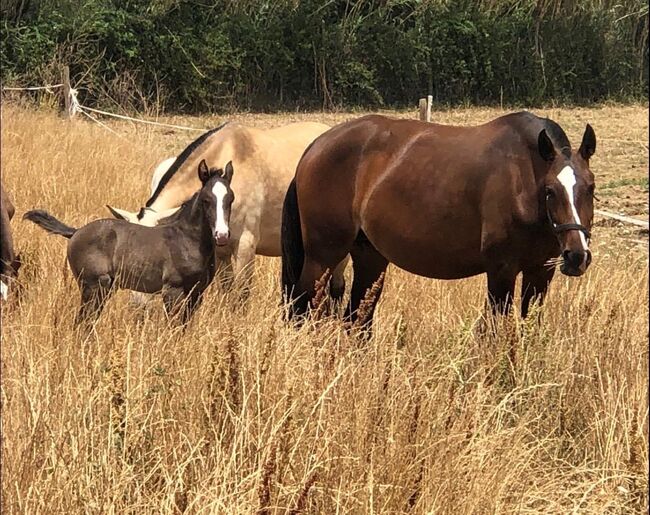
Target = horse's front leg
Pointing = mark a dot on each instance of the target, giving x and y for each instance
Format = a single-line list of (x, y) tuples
[(534, 285), (244, 263), (501, 288)]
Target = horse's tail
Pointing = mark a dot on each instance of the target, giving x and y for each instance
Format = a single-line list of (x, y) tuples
[(293, 252), (46, 221)]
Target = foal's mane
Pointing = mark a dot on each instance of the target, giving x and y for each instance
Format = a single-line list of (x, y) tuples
[(184, 208), (179, 161)]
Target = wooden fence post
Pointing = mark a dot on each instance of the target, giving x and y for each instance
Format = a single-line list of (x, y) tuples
[(67, 97), (423, 109)]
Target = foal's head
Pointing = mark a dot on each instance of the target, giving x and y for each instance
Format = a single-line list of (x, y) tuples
[(217, 198), (569, 198)]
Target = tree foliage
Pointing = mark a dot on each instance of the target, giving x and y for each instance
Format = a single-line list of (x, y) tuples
[(198, 56)]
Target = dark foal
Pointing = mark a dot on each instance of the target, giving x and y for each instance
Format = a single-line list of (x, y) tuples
[(176, 259)]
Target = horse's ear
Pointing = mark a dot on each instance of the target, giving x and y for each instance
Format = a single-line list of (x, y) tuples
[(204, 171), (228, 172), (545, 146), (588, 145), (121, 214)]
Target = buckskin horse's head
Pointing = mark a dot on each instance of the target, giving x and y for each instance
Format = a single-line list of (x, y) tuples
[(569, 199)]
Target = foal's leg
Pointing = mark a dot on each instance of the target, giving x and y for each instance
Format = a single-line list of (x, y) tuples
[(368, 264), (534, 286), (173, 300), (224, 272), (93, 299)]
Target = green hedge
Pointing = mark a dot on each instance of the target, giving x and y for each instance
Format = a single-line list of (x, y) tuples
[(264, 54)]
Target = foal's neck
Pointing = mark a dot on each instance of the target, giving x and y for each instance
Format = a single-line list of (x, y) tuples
[(193, 220)]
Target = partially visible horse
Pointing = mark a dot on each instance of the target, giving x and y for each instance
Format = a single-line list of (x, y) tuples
[(176, 259), (439, 201), (9, 260), (265, 161)]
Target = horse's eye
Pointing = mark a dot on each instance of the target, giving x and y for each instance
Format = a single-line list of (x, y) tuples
[(550, 193)]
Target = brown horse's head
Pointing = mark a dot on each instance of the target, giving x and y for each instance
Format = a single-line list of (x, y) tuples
[(217, 198), (568, 199)]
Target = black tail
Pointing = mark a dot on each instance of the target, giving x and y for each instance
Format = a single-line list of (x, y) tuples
[(293, 253), (46, 221)]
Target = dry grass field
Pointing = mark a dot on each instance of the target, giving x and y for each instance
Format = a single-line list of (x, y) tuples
[(243, 414)]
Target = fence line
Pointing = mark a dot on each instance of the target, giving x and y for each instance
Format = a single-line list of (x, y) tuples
[(33, 88), (123, 117)]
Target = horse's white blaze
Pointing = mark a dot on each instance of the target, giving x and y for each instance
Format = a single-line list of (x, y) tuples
[(221, 225), (567, 178), (4, 290)]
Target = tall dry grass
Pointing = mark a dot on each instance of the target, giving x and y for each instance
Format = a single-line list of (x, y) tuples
[(242, 414)]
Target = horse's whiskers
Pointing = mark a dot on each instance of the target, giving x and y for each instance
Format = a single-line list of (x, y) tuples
[(553, 262)]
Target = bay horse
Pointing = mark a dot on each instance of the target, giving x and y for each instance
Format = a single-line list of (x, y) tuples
[(9, 260), (176, 259), (443, 202), (266, 162)]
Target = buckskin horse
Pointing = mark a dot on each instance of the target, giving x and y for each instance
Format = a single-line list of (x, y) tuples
[(265, 161), (439, 201), (176, 259)]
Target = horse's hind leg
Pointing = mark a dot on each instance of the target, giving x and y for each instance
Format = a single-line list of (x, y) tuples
[(93, 299), (337, 284), (368, 265)]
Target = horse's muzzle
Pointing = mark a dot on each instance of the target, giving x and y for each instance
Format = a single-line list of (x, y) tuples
[(222, 238), (575, 263)]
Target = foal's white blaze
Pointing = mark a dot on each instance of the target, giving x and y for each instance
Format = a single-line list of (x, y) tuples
[(567, 178), (4, 290), (221, 226)]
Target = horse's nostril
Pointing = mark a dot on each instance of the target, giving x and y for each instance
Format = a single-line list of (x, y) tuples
[(574, 258)]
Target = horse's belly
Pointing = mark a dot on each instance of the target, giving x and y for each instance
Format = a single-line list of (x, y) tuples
[(438, 254)]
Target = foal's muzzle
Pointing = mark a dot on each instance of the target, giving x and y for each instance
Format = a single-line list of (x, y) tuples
[(222, 238)]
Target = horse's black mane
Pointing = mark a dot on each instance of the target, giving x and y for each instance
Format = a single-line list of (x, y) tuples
[(179, 161), (553, 129)]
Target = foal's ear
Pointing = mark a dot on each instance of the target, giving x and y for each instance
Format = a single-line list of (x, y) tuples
[(588, 145), (545, 146), (228, 172), (204, 171)]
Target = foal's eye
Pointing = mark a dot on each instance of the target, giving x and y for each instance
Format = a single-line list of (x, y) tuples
[(550, 193)]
